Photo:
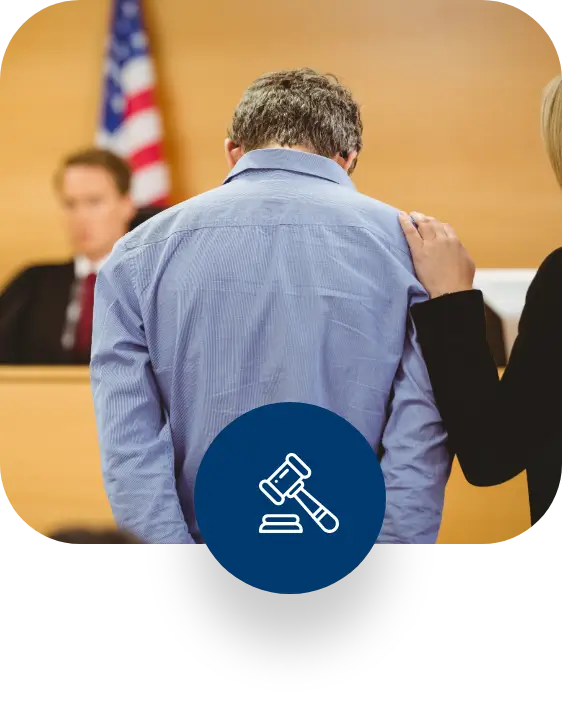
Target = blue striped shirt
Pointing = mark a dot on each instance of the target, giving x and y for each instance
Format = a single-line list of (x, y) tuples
[(284, 284)]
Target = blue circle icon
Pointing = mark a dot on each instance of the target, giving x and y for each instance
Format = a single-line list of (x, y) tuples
[(290, 498)]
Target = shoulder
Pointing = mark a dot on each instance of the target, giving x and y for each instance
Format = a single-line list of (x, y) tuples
[(370, 204), (543, 304), (53, 268), (344, 204), (181, 218), (552, 265), (547, 283), (214, 208), (380, 219), (34, 273)]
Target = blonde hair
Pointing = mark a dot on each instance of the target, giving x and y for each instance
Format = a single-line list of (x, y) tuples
[(552, 124)]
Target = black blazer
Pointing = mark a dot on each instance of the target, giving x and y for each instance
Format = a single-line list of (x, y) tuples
[(33, 311), (32, 316), (498, 429)]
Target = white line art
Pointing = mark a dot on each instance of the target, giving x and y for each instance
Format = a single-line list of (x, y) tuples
[(281, 524), (288, 482)]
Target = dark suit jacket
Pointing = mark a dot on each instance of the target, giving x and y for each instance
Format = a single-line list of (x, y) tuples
[(33, 311), (498, 429), (32, 316)]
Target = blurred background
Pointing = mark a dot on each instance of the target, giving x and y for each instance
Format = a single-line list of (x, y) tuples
[(450, 93)]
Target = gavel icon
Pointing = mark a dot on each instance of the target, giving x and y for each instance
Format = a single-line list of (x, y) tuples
[(288, 482)]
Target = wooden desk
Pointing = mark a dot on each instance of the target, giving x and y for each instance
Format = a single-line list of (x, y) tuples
[(49, 454), (51, 469)]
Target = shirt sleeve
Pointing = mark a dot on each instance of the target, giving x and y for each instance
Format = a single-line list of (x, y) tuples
[(133, 428), (416, 462)]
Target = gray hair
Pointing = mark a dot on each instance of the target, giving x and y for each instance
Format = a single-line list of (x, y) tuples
[(298, 107)]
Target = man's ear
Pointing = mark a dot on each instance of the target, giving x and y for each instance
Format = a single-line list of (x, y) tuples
[(346, 160), (233, 152)]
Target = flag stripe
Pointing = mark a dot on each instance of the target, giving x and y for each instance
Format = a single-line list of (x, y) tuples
[(137, 75), (131, 124), (141, 101), (141, 129), (150, 183), (148, 155)]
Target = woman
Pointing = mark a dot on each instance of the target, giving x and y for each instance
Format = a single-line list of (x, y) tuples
[(497, 428)]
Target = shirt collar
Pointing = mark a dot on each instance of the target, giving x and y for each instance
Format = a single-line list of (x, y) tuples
[(84, 267), (304, 163)]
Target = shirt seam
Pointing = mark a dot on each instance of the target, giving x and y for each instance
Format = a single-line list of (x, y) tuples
[(129, 258), (191, 230)]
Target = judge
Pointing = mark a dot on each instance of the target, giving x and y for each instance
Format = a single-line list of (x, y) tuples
[(46, 311)]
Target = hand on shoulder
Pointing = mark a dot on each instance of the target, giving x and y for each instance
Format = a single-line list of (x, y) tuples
[(442, 263)]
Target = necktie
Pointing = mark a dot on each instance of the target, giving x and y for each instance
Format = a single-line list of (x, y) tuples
[(83, 338)]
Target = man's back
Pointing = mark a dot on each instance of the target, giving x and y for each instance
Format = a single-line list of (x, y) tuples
[(284, 284)]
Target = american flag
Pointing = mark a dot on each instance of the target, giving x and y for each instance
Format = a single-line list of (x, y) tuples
[(131, 125)]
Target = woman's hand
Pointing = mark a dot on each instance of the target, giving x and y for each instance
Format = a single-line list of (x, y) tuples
[(441, 262)]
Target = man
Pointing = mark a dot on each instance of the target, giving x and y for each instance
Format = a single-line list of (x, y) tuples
[(283, 284), (46, 312)]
